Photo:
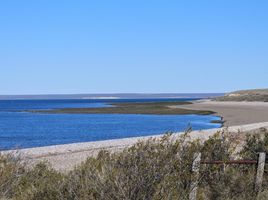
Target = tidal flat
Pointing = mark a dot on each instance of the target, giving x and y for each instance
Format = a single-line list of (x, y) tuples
[(154, 108)]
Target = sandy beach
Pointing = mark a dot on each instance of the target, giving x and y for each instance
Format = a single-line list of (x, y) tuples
[(233, 113), (66, 157)]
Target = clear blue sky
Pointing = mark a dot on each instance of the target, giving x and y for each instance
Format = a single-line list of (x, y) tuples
[(132, 46)]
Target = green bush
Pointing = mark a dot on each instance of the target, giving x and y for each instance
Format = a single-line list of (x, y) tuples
[(41, 182)]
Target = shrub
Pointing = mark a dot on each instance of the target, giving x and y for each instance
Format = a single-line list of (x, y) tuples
[(11, 169), (154, 169), (40, 182)]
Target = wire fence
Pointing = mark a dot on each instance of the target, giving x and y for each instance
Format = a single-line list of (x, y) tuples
[(260, 164)]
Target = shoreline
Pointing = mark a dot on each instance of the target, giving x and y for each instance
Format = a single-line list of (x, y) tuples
[(65, 157), (243, 116)]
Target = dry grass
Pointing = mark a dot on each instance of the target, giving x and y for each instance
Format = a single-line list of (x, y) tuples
[(155, 169), (246, 95)]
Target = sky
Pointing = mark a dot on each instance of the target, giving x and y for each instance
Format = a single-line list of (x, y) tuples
[(67, 47)]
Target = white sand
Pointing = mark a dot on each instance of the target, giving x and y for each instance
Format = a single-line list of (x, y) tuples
[(65, 157)]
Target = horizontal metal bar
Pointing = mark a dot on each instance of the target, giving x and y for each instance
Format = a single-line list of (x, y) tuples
[(220, 162)]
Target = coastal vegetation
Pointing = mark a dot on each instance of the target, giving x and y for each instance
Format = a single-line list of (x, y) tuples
[(159, 108), (246, 95), (154, 169)]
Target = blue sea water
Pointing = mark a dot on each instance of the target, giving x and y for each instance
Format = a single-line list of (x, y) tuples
[(20, 129)]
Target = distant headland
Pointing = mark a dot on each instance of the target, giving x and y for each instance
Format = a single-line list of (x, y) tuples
[(246, 95)]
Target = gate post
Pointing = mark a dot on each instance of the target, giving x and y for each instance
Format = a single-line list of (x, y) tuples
[(195, 171), (260, 171)]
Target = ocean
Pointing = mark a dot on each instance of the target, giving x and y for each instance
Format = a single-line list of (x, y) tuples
[(22, 129)]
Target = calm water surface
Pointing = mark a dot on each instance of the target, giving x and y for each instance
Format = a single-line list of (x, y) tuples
[(20, 129)]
